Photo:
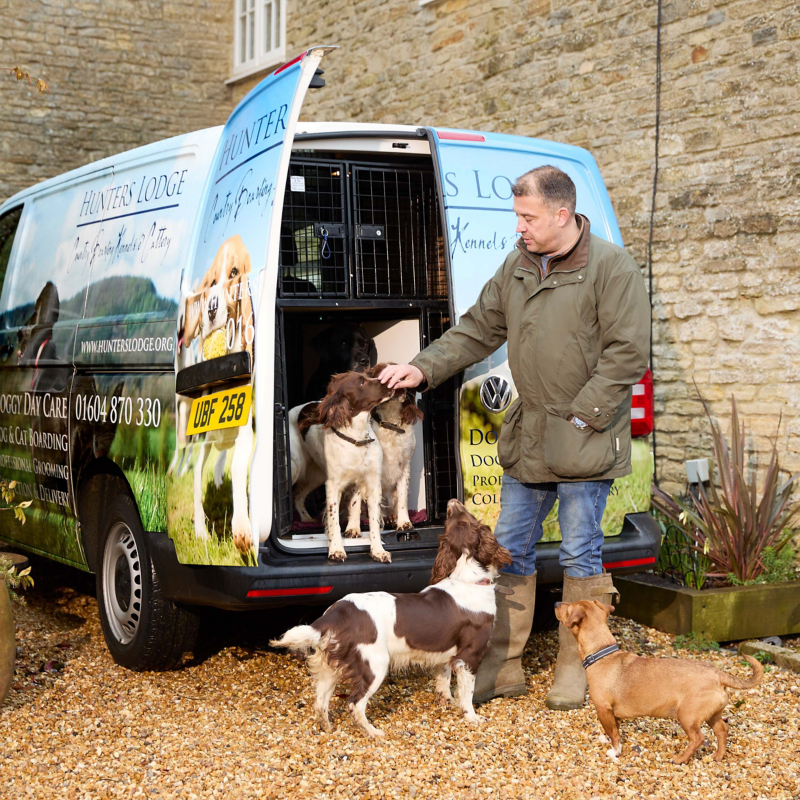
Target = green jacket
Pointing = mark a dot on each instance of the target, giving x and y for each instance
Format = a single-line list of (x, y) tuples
[(577, 341)]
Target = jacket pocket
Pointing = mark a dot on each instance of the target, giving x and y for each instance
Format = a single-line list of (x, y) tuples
[(508, 445), (570, 452)]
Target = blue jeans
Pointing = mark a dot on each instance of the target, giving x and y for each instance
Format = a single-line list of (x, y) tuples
[(523, 508)]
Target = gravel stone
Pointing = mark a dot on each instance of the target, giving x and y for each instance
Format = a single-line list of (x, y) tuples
[(236, 722)]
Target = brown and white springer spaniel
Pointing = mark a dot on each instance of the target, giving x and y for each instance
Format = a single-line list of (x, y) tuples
[(446, 626), (332, 442), (393, 423)]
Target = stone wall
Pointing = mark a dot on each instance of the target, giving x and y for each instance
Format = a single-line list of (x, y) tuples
[(726, 267), (122, 73)]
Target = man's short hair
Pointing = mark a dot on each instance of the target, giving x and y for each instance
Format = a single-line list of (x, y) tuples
[(553, 186)]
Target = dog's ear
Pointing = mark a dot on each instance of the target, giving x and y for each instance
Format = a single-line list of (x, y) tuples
[(446, 558), (489, 551), (576, 615), (335, 410), (411, 413), (373, 350), (604, 607)]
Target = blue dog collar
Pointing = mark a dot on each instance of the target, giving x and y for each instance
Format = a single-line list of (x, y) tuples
[(593, 658)]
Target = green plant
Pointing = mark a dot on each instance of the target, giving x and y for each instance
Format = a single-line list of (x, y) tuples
[(734, 523), (695, 642), (762, 657), (778, 566), (15, 581), (678, 559), (7, 493)]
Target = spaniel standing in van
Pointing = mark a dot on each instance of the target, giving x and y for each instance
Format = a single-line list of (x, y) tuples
[(333, 442), (446, 626), (393, 423), (223, 297)]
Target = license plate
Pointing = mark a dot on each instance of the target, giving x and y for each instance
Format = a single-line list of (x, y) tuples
[(213, 412)]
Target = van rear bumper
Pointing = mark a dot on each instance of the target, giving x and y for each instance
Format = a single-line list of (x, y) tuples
[(281, 580)]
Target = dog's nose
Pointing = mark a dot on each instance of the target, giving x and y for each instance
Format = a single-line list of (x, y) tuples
[(453, 505), (213, 305)]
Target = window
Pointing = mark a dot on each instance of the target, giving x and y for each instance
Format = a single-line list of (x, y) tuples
[(259, 34), (8, 227)]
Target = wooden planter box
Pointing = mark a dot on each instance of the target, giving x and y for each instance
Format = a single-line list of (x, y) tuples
[(724, 615)]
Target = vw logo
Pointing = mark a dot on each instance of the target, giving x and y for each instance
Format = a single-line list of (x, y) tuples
[(495, 394)]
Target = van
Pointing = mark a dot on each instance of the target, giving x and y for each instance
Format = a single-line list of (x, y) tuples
[(163, 310)]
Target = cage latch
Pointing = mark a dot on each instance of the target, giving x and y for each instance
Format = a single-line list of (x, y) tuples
[(375, 232)]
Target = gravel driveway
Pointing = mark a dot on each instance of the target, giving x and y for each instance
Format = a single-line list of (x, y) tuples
[(236, 721)]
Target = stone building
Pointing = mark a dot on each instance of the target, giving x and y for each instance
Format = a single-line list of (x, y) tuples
[(726, 230)]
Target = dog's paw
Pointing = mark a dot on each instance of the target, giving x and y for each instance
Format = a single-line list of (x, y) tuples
[(404, 526), (242, 537), (603, 739), (336, 555), (444, 699), (475, 719), (352, 533), (304, 515), (613, 752), (200, 532), (381, 555)]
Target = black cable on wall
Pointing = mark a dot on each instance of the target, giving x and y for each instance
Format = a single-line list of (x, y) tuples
[(653, 213)]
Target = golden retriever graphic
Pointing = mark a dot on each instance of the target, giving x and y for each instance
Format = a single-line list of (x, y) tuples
[(220, 314)]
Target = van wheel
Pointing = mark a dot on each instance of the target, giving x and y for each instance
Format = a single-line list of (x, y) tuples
[(143, 630)]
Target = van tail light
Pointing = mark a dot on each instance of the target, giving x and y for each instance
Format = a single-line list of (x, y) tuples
[(642, 422), (460, 136)]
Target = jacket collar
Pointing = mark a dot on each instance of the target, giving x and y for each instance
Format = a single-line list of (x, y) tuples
[(573, 259)]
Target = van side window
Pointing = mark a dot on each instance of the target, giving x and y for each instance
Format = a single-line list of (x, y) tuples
[(8, 227)]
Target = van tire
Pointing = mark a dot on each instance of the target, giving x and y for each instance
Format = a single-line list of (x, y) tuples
[(143, 630)]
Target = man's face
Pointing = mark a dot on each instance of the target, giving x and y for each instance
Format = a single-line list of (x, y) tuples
[(540, 227)]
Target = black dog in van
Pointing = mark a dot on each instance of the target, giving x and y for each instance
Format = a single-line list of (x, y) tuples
[(340, 348)]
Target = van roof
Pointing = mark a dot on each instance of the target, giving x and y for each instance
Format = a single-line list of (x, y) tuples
[(207, 135)]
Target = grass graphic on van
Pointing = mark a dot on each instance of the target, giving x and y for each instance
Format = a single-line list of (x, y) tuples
[(218, 548)]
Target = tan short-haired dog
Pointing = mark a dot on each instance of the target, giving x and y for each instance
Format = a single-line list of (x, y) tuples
[(622, 685)]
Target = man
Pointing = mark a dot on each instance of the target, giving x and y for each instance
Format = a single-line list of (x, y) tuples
[(576, 315)]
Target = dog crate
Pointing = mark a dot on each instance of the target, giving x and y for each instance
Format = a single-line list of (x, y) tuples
[(361, 231), (362, 244)]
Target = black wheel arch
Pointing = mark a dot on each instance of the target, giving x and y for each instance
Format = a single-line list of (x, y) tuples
[(99, 484)]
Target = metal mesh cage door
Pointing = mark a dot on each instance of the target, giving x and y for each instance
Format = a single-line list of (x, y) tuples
[(441, 430), (398, 244), (282, 476), (314, 244)]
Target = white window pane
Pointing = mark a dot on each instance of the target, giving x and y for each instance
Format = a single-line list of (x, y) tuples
[(242, 6), (278, 23), (242, 39), (267, 27), (251, 30)]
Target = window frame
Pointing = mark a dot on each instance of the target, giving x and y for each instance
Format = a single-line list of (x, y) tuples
[(9, 268), (261, 60)]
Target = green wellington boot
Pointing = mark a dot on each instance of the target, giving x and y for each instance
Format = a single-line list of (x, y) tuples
[(569, 684), (500, 673)]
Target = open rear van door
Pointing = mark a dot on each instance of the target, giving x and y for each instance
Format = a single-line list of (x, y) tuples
[(220, 509), (477, 171)]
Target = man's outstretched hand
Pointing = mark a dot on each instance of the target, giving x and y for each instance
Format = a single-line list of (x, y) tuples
[(402, 376)]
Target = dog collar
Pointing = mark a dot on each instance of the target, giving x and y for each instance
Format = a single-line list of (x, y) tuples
[(389, 426), (356, 442), (593, 658)]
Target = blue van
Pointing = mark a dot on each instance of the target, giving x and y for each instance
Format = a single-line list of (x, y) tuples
[(163, 310)]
